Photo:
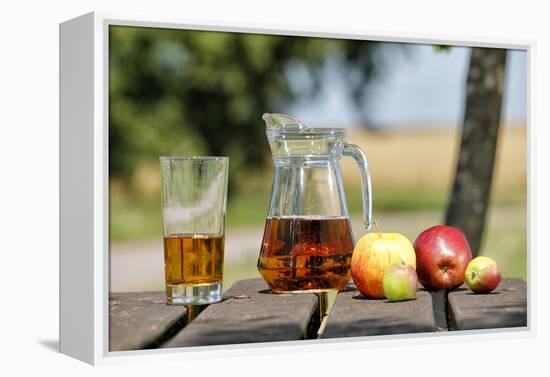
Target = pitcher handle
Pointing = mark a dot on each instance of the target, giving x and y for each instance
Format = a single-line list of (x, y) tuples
[(366, 190)]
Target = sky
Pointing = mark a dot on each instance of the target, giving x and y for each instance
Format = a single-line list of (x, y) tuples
[(421, 86)]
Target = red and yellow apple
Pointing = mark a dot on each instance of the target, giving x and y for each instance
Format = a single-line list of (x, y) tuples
[(400, 282), (372, 254), (442, 254), (482, 275)]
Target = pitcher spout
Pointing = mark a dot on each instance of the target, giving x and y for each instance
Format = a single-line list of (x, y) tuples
[(276, 122)]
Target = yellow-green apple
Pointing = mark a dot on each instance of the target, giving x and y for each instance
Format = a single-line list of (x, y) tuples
[(442, 254), (482, 274), (400, 282), (372, 254)]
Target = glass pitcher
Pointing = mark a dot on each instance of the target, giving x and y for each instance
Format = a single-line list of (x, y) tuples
[(308, 242)]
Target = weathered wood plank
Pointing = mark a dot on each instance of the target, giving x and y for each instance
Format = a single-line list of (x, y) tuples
[(506, 306), (250, 313), (142, 320), (355, 315)]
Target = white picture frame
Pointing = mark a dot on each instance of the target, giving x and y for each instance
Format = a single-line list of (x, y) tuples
[(84, 241)]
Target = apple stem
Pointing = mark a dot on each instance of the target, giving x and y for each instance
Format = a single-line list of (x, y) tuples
[(377, 228)]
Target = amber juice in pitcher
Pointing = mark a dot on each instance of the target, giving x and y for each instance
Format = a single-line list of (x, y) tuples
[(306, 253)]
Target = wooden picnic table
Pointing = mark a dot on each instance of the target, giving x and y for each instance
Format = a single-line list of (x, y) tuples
[(250, 313)]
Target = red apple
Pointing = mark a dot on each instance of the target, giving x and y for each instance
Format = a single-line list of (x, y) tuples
[(442, 254), (482, 275)]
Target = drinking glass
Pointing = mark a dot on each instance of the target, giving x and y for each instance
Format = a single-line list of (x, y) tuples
[(194, 197)]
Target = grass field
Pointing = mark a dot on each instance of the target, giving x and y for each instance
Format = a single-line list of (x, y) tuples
[(410, 170), (426, 159)]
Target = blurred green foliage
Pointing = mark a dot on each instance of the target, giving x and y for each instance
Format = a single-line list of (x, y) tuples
[(185, 92), (442, 48)]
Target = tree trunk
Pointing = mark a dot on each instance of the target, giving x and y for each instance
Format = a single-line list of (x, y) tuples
[(472, 185)]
